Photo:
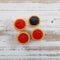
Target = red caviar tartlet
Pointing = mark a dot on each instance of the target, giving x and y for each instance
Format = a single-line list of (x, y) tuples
[(23, 38), (20, 24), (37, 34)]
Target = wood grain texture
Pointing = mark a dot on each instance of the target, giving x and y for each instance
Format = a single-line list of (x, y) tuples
[(31, 1), (48, 47)]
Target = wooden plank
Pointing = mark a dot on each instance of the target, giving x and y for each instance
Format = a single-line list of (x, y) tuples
[(31, 1)]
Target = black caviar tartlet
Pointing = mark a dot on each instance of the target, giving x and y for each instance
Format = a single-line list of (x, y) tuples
[(34, 20)]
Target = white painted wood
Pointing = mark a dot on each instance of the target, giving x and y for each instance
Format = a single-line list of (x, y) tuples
[(48, 47), (31, 1)]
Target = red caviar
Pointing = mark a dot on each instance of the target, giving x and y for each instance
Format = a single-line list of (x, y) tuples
[(23, 38), (37, 34), (20, 24)]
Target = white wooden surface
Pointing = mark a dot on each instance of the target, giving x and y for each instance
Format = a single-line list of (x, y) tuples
[(30, 1), (49, 47)]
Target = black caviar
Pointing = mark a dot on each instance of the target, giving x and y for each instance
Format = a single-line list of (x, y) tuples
[(34, 20)]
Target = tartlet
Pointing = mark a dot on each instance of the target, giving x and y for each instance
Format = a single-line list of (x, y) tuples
[(23, 38), (37, 34), (34, 20), (20, 24)]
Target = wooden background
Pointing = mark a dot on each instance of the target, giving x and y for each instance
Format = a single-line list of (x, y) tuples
[(32, 1), (48, 47)]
